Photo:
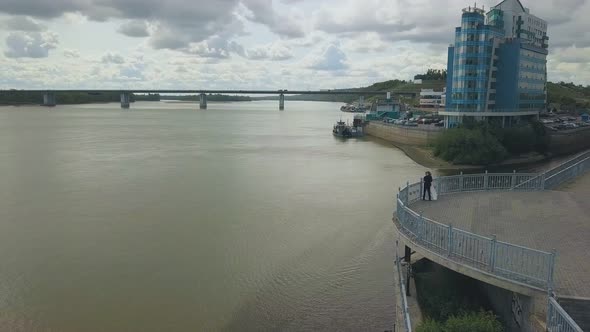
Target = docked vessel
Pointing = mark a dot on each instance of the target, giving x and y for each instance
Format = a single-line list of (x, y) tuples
[(344, 130), (353, 109)]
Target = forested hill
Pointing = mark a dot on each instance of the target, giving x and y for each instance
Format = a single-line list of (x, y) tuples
[(394, 86), (22, 97), (569, 96)]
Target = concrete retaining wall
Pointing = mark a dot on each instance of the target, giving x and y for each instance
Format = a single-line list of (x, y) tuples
[(402, 135), (518, 312), (569, 141)]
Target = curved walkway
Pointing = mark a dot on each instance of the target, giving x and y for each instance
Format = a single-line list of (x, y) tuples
[(543, 220)]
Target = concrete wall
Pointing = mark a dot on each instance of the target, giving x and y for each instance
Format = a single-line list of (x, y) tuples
[(402, 135), (569, 141), (516, 310)]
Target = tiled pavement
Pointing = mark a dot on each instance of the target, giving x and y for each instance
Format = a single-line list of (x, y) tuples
[(539, 220)]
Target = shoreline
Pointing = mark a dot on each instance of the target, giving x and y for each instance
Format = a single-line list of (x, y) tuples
[(424, 157)]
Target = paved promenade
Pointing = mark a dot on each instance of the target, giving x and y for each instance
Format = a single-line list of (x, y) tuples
[(557, 219)]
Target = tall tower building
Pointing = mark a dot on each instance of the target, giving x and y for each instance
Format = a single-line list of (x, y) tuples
[(496, 69)]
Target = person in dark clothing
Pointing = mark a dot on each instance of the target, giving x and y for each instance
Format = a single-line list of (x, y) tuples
[(427, 185)]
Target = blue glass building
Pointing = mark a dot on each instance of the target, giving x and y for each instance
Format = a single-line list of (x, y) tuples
[(496, 69)]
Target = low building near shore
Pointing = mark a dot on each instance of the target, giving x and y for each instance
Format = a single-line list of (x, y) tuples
[(431, 99)]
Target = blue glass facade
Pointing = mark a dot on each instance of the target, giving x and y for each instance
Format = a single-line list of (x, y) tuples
[(490, 74), (471, 64)]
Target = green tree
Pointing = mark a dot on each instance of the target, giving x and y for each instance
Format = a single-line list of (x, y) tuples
[(474, 322), (519, 140), (430, 325), (481, 321), (470, 146)]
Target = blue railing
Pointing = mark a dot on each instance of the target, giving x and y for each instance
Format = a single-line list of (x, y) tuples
[(567, 171), (405, 311), (560, 174), (520, 264), (558, 319), (531, 267)]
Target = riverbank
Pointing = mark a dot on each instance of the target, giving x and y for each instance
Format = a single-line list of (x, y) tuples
[(424, 155)]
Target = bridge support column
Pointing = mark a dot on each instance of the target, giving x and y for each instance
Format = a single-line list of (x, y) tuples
[(281, 102), (361, 101), (125, 99), (203, 101), (49, 99)]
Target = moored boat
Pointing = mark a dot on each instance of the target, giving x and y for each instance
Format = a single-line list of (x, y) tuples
[(342, 129)]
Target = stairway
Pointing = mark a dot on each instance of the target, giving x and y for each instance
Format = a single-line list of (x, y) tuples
[(579, 310)]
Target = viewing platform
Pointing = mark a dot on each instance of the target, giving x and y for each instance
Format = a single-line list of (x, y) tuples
[(545, 220), (524, 236)]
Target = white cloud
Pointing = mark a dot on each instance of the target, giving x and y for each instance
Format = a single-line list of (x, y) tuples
[(134, 29), (110, 57), (30, 44), (22, 23), (274, 51), (331, 59), (70, 53), (253, 43)]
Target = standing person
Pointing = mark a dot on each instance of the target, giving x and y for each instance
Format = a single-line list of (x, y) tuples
[(427, 186)]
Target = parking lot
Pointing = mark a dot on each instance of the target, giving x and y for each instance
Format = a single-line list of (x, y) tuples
[(420, 121), (564, 122)]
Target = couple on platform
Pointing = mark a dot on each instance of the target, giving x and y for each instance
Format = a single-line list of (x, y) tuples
[(432, 194)]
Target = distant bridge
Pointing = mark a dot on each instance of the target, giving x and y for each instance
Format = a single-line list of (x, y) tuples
[(50, 100)]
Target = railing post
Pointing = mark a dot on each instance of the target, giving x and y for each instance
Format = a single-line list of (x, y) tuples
[(543, 181), (421, 228), (461, 184), (513, 184), (485, 181), (407, 192), (450, 240), (551, 271), (493, 243)]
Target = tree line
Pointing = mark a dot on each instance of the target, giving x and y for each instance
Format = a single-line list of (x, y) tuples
[(23, 97), (432, 75)]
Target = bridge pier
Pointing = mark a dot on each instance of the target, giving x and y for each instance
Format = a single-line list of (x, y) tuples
[(281, 102), (361, 101), (125, 99), (49, 99), (203, 101)]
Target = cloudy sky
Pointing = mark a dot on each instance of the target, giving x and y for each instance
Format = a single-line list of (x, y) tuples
[(276, 44)]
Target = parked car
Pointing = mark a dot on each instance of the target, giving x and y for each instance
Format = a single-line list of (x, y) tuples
[(411, 124), (440, 123)]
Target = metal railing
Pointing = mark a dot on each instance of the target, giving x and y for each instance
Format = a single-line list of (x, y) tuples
[(487, 254), (558, 319), (475, 182), (404, 301), (567, 171), (563, 172), (520, 264)]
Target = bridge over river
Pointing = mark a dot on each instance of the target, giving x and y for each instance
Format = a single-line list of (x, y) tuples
[(527, 236), (49, 96)]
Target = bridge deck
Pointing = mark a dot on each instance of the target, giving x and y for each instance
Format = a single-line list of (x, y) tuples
[(540, 220)]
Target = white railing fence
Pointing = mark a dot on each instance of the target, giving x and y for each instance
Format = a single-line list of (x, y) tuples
[(558, 319), (516, 263), (531, 267)]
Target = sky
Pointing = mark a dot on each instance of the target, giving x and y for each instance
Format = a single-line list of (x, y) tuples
[(252, 44)]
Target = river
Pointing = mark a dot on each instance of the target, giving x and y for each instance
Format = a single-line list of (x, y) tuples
[(164, 217)]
